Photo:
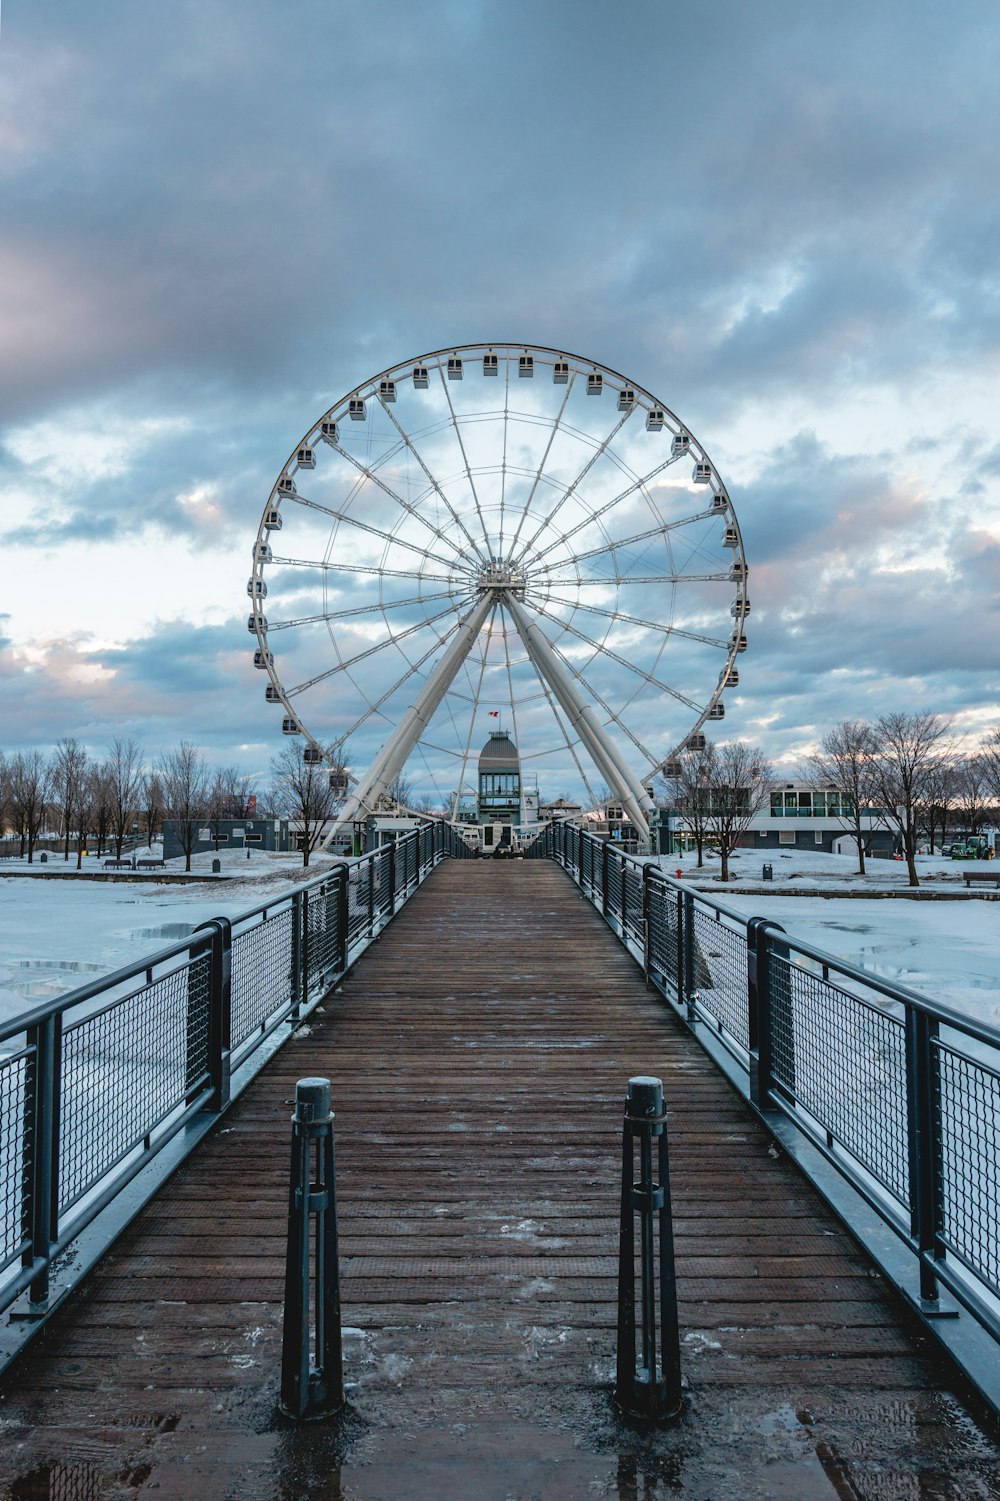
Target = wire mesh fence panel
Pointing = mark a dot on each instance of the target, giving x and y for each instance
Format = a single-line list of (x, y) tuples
[(664, 933), (844, 1061), (383, 887), (615, 888), (125, 1070), (632, 908), (361, 890), (969, 1158), (261, 974), (324, 935), (718, 979), (591, 861), (17, 1142)]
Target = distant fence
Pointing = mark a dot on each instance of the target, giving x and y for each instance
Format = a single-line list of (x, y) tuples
[(96, 1084), (898, 1092)]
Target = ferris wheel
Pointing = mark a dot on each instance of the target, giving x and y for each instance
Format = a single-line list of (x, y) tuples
[(498, 533)]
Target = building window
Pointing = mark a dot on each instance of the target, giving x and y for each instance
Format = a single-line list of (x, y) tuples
[(254, 838), (817, 837), (786, 836)]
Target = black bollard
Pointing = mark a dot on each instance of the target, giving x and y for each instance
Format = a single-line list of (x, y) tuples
[(647, 1387), (308, 1389)]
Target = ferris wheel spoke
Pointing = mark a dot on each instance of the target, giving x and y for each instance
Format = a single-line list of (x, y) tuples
[(371, 569), (411, 671), (465, 461), (619, 542), (373, 476), (361, 656), (655, 578), (503, 459), (556, 425), (616, 500), (652, 625), (373, 531), (599, 646), (571, 489), (435, 486), (379, 607)]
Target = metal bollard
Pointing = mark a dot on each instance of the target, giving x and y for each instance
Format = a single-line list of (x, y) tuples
[(645, 1388), (308, 1390)]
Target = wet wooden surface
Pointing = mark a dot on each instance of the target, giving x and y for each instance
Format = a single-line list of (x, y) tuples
[(479, 1054)]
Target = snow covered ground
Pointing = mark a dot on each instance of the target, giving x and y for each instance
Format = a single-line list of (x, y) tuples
[(56, 935), (948, 949)]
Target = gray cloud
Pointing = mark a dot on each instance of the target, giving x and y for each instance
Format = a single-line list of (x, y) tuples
[(225, 216)]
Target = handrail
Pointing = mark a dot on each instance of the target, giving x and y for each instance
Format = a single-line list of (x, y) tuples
[(96, 1096), (900, 1100)]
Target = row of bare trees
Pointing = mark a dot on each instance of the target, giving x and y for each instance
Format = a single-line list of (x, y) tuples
[(106, 802), (904, 771), (110, 800)]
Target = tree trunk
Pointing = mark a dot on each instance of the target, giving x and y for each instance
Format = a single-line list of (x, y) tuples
[(724, 852)]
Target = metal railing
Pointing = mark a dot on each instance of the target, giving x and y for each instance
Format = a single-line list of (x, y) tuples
[(897, 1092), (98, 1084)]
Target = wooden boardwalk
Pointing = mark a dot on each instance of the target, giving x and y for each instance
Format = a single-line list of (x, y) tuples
[(479, 1054)]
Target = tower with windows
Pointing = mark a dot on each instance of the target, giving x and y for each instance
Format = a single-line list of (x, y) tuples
[(499, 799)]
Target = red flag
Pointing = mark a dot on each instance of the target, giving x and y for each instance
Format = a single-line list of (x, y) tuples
[(494, 713)]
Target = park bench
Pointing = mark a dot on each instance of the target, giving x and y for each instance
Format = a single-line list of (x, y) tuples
[(991, 877), (118, 865), (148, 864)]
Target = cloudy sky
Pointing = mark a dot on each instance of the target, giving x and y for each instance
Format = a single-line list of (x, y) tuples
[(216, 219)]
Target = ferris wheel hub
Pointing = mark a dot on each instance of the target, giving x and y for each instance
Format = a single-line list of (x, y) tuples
[(501, 577)]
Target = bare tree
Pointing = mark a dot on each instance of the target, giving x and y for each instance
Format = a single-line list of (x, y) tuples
[(990, 756), (845, 764), (227, 797), (939, 801), (30, 790), (910, 751), (399, 791), (185, 793), (5, 800), (69, 768), (973, 796), (124, 768), (739, 785), (151, 802), (687, 793), (301, 792), (101, 804)]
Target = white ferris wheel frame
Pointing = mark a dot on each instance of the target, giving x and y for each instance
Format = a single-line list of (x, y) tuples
[(488, 584)]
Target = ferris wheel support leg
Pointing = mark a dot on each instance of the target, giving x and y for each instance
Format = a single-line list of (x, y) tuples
[(581, 715), (392, 757)]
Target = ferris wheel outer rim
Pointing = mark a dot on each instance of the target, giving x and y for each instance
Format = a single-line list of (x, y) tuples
[(510, 350)]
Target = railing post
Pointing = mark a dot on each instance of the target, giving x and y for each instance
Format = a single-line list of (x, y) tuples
[(219, 1010), (647, 1386), (923, 1117), (604, 878), (761, 1018), (311, 1390), (41, 1179), (392, 877), (371, 896)]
